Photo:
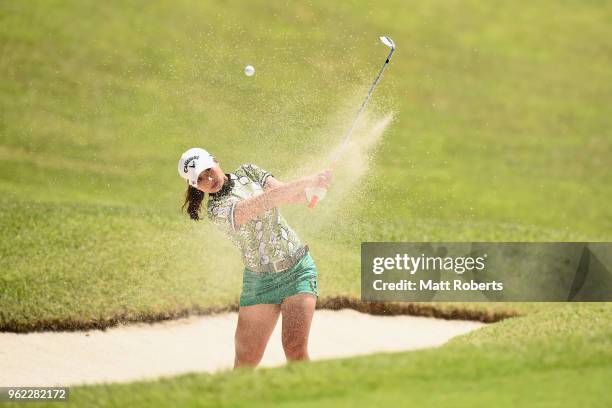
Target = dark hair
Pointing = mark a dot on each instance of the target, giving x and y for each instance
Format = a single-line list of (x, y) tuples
[(193, 202)]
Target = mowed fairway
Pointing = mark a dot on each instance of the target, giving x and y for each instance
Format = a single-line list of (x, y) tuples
[(501, 131)]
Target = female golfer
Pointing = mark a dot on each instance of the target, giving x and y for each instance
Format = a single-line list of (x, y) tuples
[(280, 276)]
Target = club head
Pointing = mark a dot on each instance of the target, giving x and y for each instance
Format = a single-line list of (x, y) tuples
[(388, 42)]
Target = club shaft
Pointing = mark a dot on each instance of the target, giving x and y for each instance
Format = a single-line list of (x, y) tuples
[(348, 135)]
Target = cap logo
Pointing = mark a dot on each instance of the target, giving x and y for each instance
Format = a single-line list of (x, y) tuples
[(185, 165)]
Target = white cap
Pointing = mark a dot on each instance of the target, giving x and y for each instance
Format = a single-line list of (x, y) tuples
[(193, 162)]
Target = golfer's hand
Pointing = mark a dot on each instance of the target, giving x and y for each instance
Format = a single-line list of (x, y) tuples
[(323, 179), (320, 184)]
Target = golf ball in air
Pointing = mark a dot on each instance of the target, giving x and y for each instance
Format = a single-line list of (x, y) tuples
[(249, 70)]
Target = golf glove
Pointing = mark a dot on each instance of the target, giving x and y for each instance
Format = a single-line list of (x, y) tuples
[(315, 191)]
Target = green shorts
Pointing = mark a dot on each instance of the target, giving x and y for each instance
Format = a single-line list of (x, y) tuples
[(273, 287)]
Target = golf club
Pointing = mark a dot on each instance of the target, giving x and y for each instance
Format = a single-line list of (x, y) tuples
[(389, 43)]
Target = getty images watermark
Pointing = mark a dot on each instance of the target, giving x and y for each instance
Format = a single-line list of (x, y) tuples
[(413, 264), (515, 271)]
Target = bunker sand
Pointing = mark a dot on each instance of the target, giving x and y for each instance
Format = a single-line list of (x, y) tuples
[(201, 344)]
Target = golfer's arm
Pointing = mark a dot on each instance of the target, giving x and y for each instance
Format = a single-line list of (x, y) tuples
[(276, 193), (272, 183)]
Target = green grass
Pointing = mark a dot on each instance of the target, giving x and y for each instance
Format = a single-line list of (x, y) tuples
[(556, 357), (501, 132)]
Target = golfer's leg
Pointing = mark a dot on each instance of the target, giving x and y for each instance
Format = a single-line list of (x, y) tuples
[(297, 315), (255, 325)]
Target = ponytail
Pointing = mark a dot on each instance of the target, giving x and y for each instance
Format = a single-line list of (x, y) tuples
[(193, 202)]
